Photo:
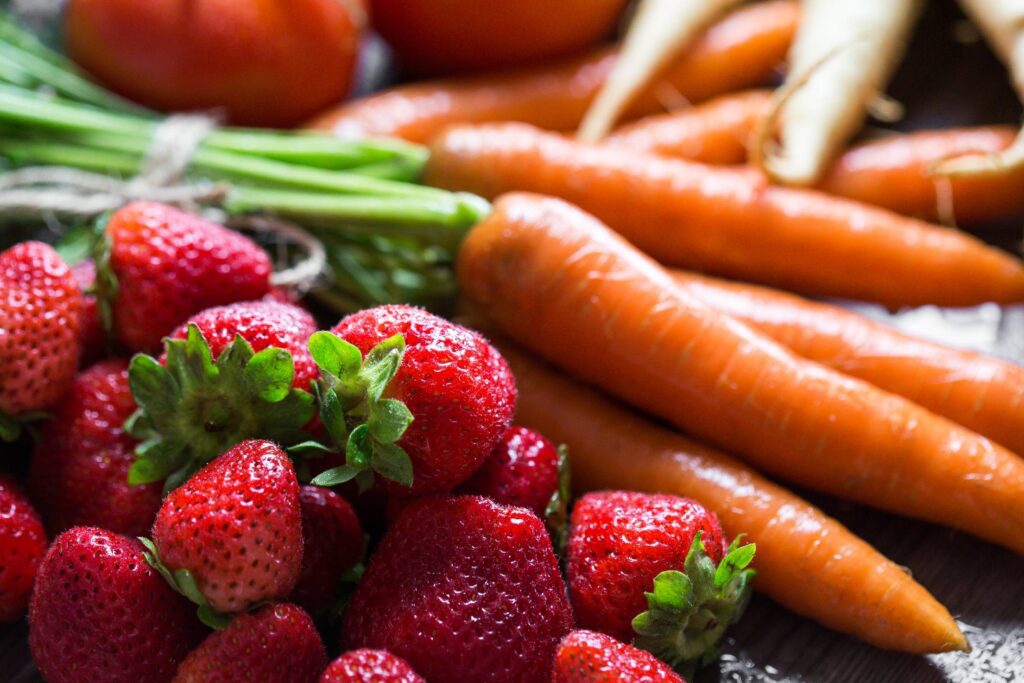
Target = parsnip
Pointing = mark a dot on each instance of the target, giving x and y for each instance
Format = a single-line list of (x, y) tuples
[(1002, 24), (843, 56), (659, 30)]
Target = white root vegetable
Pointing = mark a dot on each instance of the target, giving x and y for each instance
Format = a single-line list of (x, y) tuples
[(1002, 24), (843, 56), (659, 30)]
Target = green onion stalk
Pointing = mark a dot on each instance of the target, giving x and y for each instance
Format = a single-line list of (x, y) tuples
[(386, 238)]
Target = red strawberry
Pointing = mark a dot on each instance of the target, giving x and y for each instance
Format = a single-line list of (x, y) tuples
[(623, 545), (79, 470), (276, 644), (264, 324), (236, 526), (458, 388), (370, 666), (464, 589), (332, 544), (589, 657), (99, 612), (22, 544), (40, 315), (168, 265), (230, 374), (522, 470), (92, 339)]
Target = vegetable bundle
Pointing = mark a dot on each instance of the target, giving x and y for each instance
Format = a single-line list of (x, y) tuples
[(386, 239)]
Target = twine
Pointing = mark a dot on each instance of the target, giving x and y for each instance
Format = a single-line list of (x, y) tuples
[(74, 192)]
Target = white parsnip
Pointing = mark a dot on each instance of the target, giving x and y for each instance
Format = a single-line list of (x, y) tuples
[(1002, 24), (842, 58), (659, 30)]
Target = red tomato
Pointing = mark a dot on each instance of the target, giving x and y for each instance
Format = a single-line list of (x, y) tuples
[(447, 36), (265, 62)]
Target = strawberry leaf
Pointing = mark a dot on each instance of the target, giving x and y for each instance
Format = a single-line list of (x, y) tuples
[(689, 611), (10, 429), (388, 420), (393, 462), (156, 392), (193, 408), (332, 415), (556, 514), (334, 355), (336, 475), (269, 374), (76, 245), (106, 281), (182, 581), (349, 394), (359, 448), (382, 363)]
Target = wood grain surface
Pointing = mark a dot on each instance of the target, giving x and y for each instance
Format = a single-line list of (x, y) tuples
[(946, 80)]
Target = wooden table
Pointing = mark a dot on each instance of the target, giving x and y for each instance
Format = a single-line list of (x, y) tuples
[(943, 82)]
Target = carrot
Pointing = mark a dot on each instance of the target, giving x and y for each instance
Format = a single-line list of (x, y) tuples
[(984, 394), (712, 132), (843, 55), (564, 285), (806, 561), (740, 51), (734, 224), (660, 29), (897, 172), (894, 172)]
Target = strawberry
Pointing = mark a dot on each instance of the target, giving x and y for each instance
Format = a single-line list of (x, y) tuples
[(40, 315), (646, 563), (278, 643), (525, 469), (464, 589), (589, 657), (332, 544), (229, 374), (158, 265), (79, 469), (427, 418), (370, 666), (92, 339), (264, 324), (22, 544), (99, 612), (231, 536)]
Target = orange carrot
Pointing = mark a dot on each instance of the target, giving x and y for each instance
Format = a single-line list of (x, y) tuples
[(740, 51), (805, 560), (982, 393), (894, 172), (712, 132), (564, 285), (729, 223)]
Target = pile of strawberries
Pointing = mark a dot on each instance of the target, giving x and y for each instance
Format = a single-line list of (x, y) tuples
[(208, 499)]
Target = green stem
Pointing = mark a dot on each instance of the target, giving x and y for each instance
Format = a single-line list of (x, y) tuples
[(444, 212), (50, 68)]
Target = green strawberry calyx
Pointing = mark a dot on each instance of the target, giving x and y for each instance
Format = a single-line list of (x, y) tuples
[(556, 514), (184, 582), (689, 611), (360, 421), (194, 408), (106, 286), (11, 425)]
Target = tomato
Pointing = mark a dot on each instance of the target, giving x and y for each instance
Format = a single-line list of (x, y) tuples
[(263, 62), (447, 36)]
